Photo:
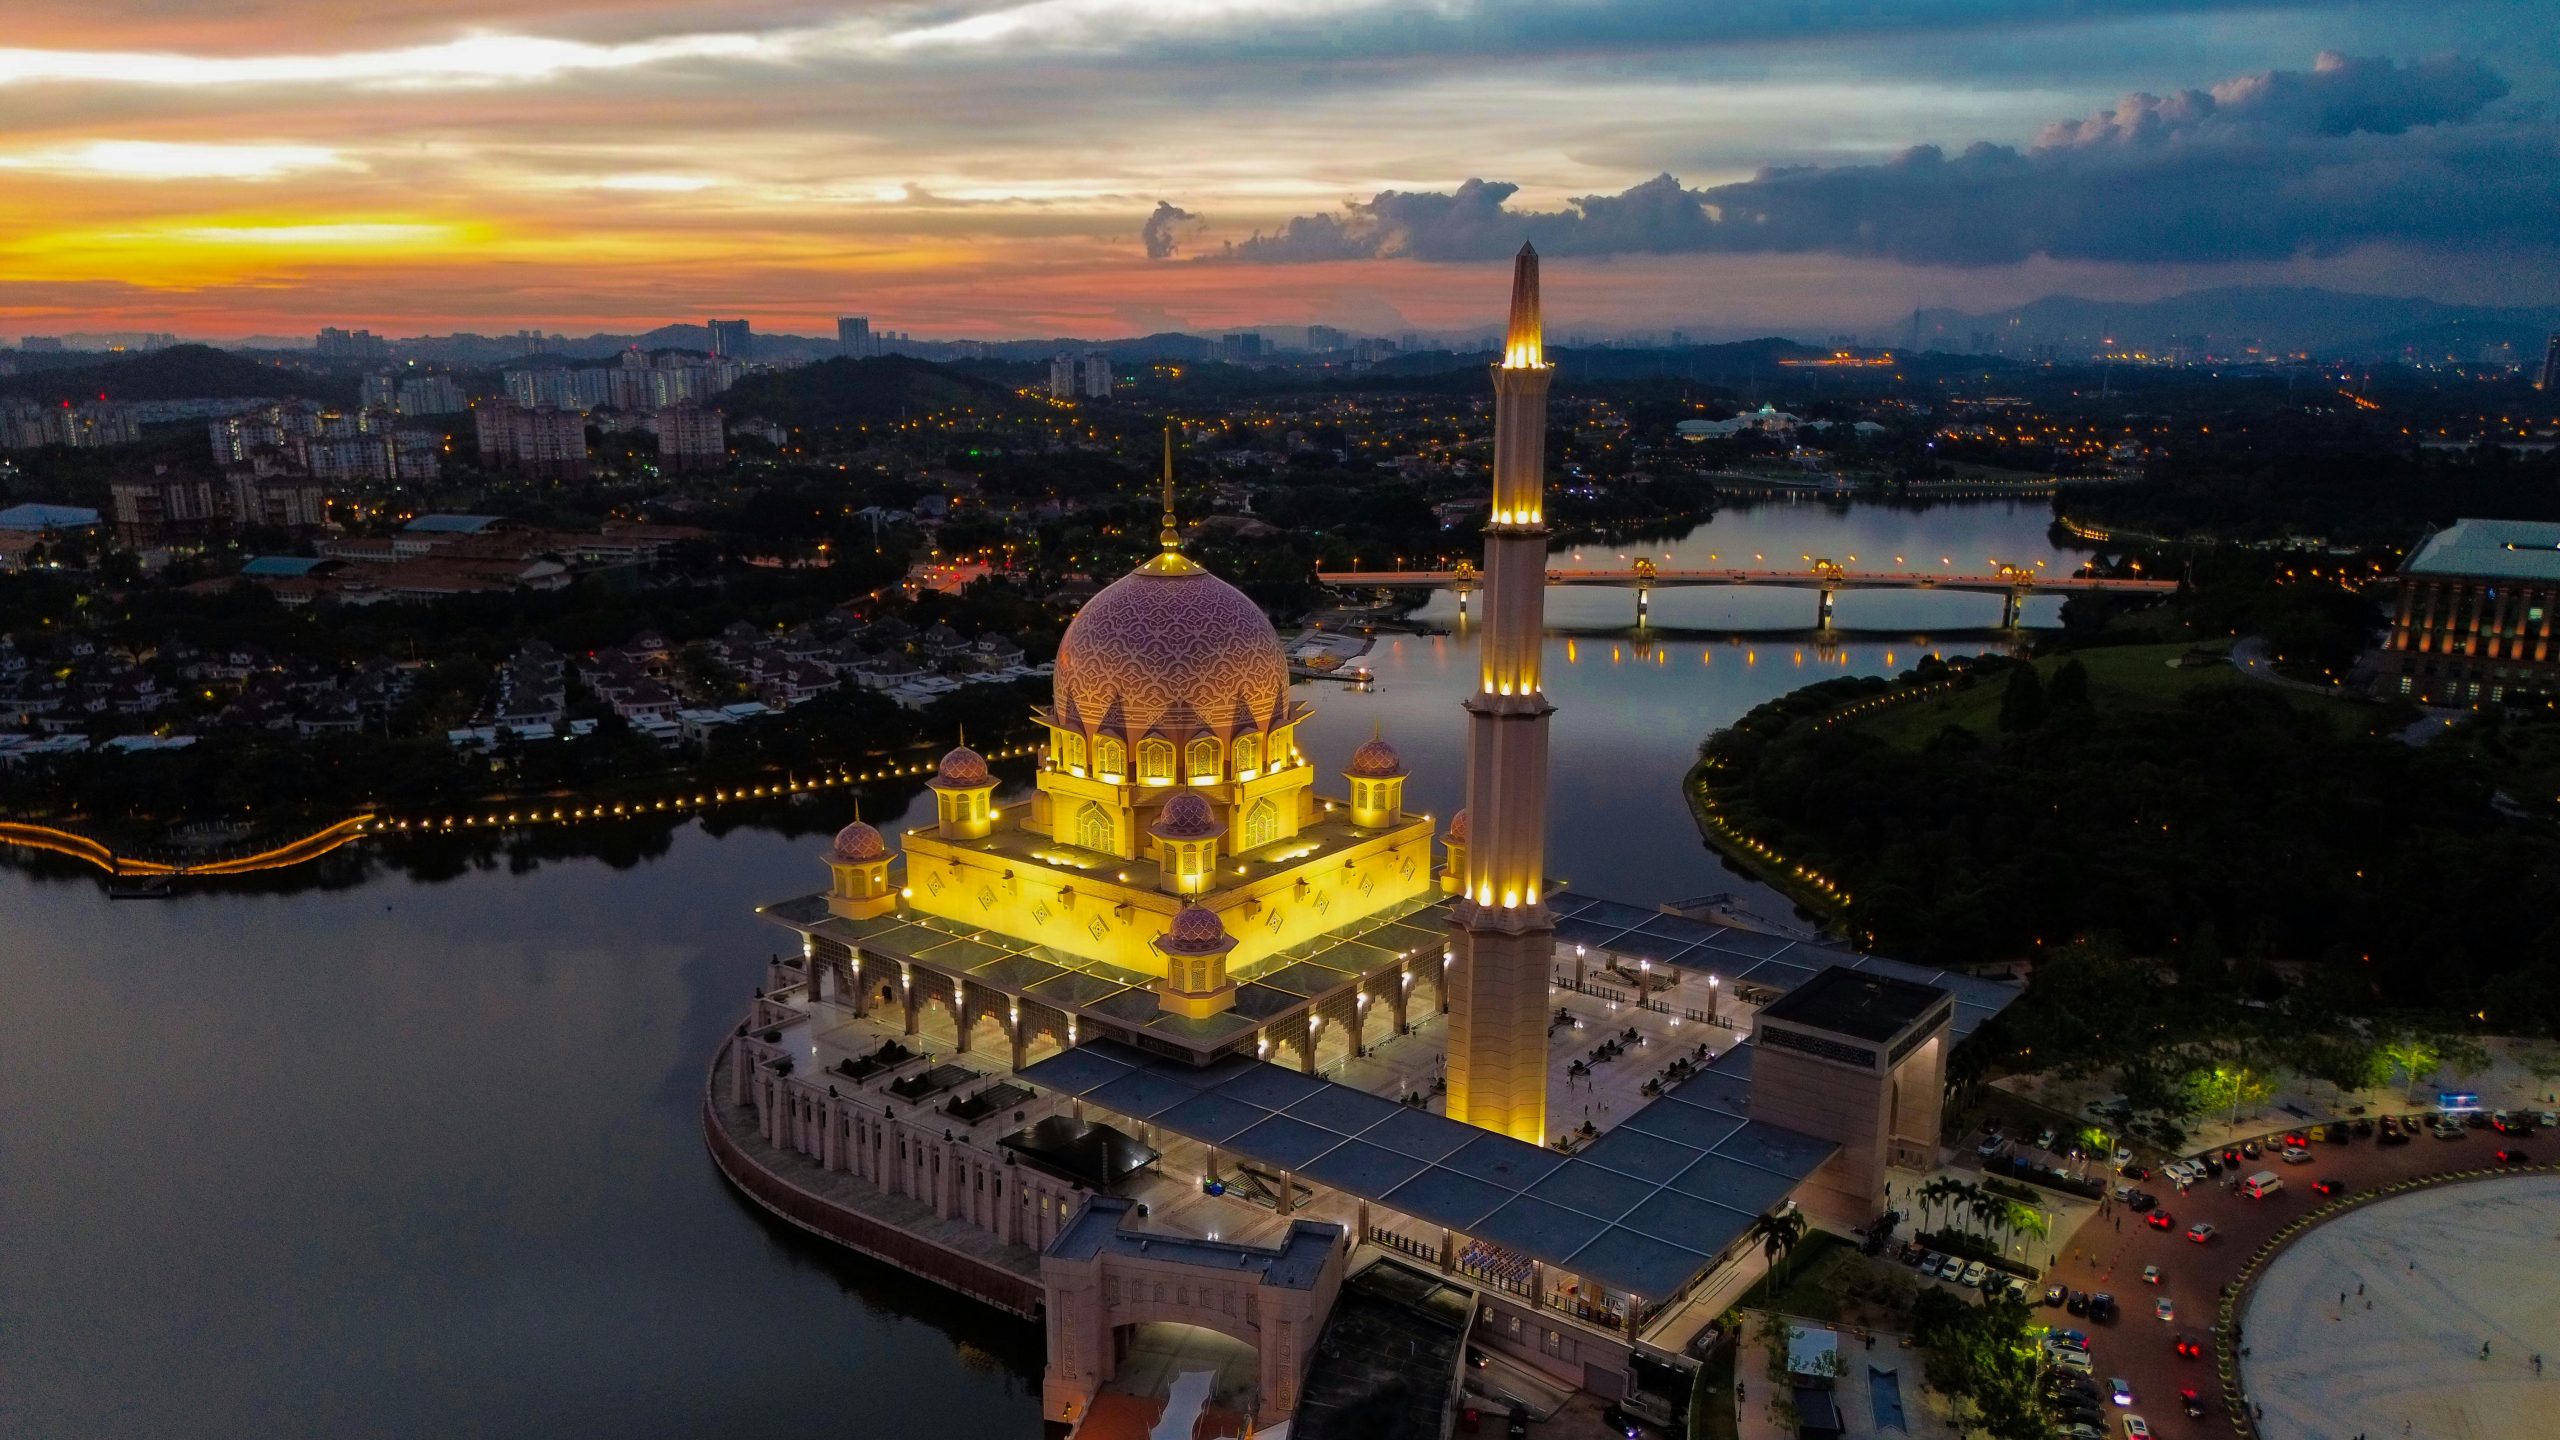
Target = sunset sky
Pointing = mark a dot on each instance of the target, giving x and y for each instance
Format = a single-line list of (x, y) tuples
[(1096, 167)]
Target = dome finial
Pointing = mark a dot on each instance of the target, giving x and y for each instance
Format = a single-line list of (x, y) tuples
[(1168, 537)]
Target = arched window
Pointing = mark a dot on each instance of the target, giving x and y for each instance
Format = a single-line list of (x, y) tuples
[(1261, 824), (1071, 749), (1201, 761), (1110, 757), (1094, 830), (1248, 753), (1155, 761)]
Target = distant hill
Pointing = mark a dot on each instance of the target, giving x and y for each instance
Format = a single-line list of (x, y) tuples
[(181, 372), (852, 392), (2331, 324)]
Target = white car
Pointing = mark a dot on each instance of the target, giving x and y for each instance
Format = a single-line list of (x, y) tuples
[(1972, 1276), (2135, 1428), (2296, 1155), (2075, 1361), (2165, 1308)]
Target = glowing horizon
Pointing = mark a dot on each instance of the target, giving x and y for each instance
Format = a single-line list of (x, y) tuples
[(1087, 167)]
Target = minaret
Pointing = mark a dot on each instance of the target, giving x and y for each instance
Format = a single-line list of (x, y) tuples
[(1503, 939)]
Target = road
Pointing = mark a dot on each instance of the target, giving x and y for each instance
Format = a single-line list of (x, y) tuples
[(2110, 1252)]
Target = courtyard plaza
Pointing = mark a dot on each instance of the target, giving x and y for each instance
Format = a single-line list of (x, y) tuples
[(1174, 1187)]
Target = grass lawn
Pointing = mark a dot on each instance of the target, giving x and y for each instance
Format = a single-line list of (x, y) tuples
[(1711, 1403), (1817, 1274), (2121, 678)]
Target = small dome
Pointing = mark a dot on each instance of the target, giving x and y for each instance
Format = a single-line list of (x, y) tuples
[(1377, 760), (1196, 930), (857, 842), (962, 769), (1187, 817), (1458, 828)]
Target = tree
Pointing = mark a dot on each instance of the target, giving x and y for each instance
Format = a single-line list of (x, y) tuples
[(2022, 704), (2070, 688), (2228, 1088), (1778, 1233)]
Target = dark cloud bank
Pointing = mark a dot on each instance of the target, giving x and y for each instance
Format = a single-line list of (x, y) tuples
[(2350, 152)]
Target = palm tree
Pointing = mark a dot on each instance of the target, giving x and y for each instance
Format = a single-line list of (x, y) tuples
[(1778, 1231)]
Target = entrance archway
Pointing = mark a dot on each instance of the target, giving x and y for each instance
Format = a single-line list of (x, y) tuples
[(1333, 1043), (1186, 1379)]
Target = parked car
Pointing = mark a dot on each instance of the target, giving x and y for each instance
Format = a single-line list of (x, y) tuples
[(2134, 1172), (2102, 1307), (2140, 1201), (1991, 1146), (2135, 1428), (2079, 1303), (2296, 1155), (2056, 1294), (1971, 1275), (2066, 1339), (2044, 1138), (2076, 1361)]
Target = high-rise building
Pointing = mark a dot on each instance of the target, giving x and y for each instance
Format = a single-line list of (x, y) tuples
[(732, 339), (377, 389), (1503, 937), (40, 344), (1095, 375), (164, 508), (1062, 377), (28, 426), (1242, 346), (1324, 338), (689, 437), (2551, 366), (538, 439), (853, 337), (336, 344), (430, 395)]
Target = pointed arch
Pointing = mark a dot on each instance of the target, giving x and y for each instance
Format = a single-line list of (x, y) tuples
[(1110, 757), (1261, 824), (1248, 752), (1155, 761), (1094, 830), (1200, 762), (1071, 749)]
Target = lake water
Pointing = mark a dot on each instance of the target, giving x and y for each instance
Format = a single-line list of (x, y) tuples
[(413, 1158)]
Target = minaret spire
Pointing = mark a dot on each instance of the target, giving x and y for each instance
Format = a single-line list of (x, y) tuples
[(1524, 344)]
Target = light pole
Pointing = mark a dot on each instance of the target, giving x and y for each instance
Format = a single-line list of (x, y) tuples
[(1714, 982)]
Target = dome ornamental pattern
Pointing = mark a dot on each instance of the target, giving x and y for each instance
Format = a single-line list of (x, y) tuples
[(1168, 649), (857, 843), (1376, 760), (1458, 828), (1187, 817), (1197, 930), (962, 769)]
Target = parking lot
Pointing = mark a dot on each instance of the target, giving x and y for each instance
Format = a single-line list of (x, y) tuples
[(2111, 1252)]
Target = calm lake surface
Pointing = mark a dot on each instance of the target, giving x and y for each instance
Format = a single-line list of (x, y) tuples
[(420, 1158)]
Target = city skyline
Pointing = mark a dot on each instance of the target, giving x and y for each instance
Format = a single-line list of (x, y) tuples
[(1121, 169)]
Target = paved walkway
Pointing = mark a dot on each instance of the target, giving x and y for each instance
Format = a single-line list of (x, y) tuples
[(2372, 1324)]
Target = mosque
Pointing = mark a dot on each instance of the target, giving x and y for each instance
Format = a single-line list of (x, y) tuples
[(1198, 1037)]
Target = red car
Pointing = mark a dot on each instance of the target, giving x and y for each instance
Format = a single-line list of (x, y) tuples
[(2159, 1220), (2189, 1349)]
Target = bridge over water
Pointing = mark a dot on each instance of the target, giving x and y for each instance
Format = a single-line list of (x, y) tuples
[(1826, 578)]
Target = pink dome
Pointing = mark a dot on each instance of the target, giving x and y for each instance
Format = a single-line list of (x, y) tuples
[(857, 842), (1377, 760), (1171, 644), (962, 769), (1187, 817), (1458, 828), (1196, 930)]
